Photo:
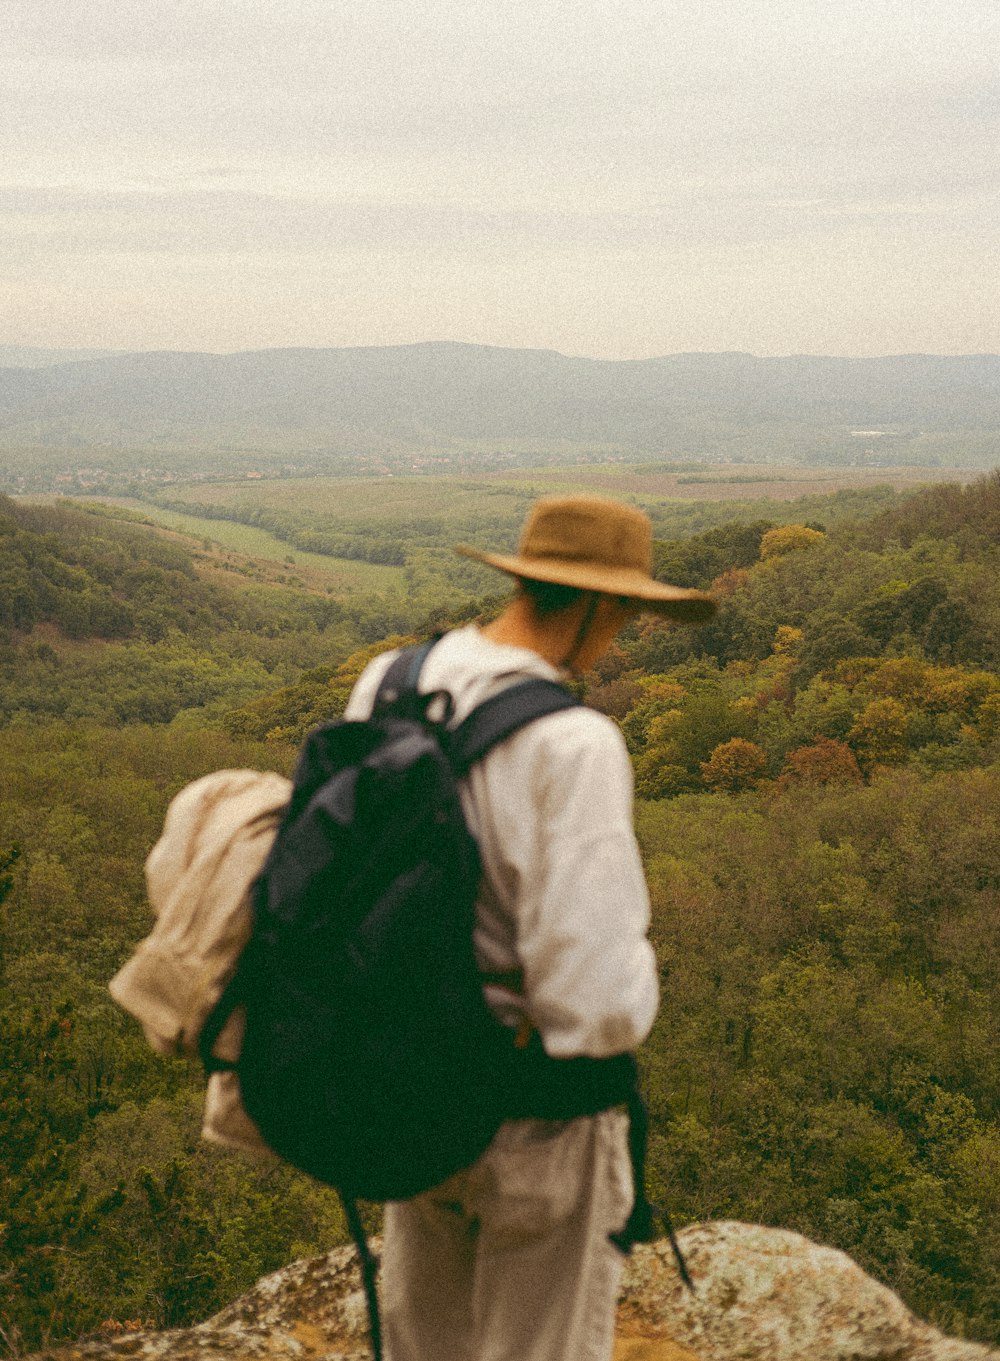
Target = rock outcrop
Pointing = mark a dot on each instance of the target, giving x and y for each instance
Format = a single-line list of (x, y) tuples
[(761, 1295), (770, 1295)]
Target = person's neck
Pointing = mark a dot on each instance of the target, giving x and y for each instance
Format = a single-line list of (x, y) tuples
[(518, 626)]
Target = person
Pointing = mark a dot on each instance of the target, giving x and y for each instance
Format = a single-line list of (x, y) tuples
[(510, 1259)]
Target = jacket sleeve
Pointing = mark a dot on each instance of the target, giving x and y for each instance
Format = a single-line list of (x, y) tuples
[(590, 976)]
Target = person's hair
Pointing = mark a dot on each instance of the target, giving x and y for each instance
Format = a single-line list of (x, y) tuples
[(549, 597)]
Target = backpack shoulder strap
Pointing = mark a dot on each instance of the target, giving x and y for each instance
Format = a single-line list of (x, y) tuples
[(402, 674), (490, 722), (502, 715)]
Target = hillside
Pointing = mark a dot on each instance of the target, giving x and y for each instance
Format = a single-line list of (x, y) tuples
[(818, 774), (320, 407)]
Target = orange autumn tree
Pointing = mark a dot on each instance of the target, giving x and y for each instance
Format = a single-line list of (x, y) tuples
[(823, 761)]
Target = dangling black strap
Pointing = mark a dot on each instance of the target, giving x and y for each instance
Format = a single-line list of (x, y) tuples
[(639, 1226), (369, 1269)]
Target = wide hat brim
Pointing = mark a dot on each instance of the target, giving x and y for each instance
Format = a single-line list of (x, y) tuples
[(655, 597)]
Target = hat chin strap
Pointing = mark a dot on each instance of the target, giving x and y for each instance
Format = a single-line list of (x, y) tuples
[(581, 633)]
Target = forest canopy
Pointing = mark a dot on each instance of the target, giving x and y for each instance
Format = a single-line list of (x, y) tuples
[(818, 782)]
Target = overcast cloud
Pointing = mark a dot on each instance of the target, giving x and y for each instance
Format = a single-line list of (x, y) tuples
[(604, 178)]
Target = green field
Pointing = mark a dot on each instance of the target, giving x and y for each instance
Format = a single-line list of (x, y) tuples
[(392, 537), (392, 520), (344, 575), (371, 501), (452, 499)]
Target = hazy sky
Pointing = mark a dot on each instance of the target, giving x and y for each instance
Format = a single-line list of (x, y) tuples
[(616, 178)]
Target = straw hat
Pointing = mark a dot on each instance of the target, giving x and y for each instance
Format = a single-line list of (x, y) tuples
[(596, 545)]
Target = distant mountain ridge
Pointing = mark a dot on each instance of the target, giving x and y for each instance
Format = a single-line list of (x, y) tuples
[(34, 357), (444, 397)]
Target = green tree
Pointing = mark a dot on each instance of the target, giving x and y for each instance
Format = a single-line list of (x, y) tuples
[(879, 733)]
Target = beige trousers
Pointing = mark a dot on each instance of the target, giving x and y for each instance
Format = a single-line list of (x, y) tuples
[(509, 1260)]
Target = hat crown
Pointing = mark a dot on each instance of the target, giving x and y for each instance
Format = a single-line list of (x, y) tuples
[(596, 544), (589, 530)]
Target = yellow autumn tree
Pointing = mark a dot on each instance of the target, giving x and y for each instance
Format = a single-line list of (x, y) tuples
[(734, 765), (788, 539)]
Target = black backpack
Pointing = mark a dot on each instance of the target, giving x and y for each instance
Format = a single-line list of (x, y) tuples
[(371, 1059)]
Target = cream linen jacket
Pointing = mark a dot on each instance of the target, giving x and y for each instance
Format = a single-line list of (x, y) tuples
[(563, 904), (216, 836)]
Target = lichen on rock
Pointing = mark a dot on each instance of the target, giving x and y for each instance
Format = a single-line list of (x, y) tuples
[(766, 1294), (761, 1294)]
